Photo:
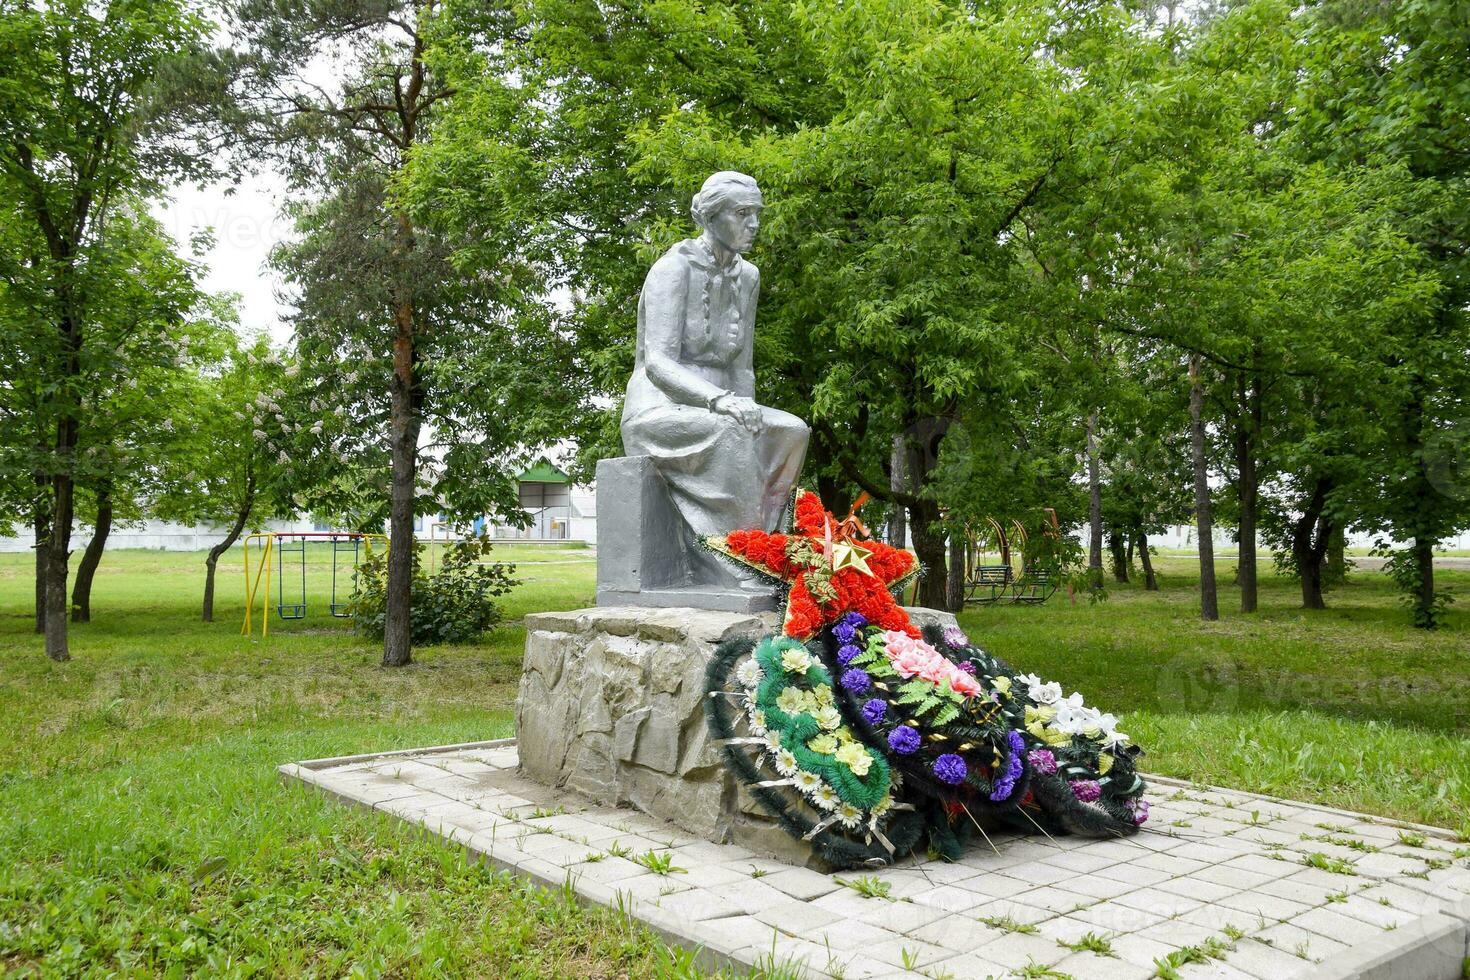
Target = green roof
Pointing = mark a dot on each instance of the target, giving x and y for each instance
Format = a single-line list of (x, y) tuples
[(544, 472)]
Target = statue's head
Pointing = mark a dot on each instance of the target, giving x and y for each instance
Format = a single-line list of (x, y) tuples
[(728, 207)]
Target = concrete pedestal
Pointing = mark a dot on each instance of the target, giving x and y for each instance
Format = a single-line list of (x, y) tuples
[(644, 548), (612, 706)]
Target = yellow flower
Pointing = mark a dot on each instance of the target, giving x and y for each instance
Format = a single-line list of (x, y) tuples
[(1003, 686), (823, 744), (828, 717), (791, 701), (796, 660), (856, 758), (823, 694), (1039, 716)]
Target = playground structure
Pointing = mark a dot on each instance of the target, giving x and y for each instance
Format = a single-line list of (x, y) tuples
[(292, 545), (990, 584)]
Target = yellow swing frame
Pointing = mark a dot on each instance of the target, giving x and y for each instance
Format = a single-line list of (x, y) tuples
[(263, 567)]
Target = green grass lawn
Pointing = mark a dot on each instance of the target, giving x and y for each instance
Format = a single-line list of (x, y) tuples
[(1349, 706), (144, 830)]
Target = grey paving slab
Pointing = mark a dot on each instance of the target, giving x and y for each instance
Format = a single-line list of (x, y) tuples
[(1211, 859)]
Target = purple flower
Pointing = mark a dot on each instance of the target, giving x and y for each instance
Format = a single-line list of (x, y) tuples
[(855, 620), (967, 667), (1139, 808), (1043, 761), (1005, 785), (950, 768), (856, 681), (1086, 790), (955, 637), (903, 740), (846, 653), (844, 632), (875, 711)]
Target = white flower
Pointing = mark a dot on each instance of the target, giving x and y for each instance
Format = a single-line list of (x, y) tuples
[(826, 797), (1113, 739), (757, 721), (1030, 680), (806, 781), (1074, 720), (259, 435), (773, 741), (1046, 693), (796, 661), (849, 815), (749, 673), (785, 762)]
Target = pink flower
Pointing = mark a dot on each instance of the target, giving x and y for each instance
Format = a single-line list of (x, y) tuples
[(964, 684), (915, 658), (911, 663)]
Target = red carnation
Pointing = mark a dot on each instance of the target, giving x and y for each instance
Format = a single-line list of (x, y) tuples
[(810, 515)]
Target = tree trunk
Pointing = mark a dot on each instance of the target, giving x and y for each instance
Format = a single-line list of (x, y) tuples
[(58, 553), (1205, 529), (828, 485), (81, 593), (212, 560), (1247, 435), (42, 523), (929, 545), (1311, 574), (1336, 573), (897, 525), (1119, 555), (1094, 508), (1424, 611), (1150, 581), (398, 627), (1309, 538), (955, 580)]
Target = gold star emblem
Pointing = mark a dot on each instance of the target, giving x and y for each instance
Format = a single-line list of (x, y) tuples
[(846, 555)]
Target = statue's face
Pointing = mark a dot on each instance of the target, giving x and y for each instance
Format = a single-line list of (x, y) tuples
[(734, 225)]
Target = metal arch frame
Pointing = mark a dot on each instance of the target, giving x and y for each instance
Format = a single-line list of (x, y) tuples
[(263, 567)]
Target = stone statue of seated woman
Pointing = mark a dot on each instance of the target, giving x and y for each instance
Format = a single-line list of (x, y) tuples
[(726, 461)]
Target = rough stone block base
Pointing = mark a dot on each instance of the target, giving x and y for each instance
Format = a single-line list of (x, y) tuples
[(611, 706)]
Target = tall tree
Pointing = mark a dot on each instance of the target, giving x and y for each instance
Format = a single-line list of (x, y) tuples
[(88, 117), (455, 374), (901, 147), (231, 467), (1410, 114)]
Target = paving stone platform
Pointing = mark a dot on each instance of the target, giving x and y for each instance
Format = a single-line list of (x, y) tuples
[(1252, 888)]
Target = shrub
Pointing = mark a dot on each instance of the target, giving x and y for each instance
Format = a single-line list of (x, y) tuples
[(454, 604)]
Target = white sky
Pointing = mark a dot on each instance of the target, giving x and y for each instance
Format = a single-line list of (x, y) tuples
[(246, 223)]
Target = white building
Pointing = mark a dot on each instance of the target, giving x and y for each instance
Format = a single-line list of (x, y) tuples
[(559, 511)]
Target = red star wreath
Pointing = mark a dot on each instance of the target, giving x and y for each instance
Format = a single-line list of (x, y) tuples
[(830, 570)]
